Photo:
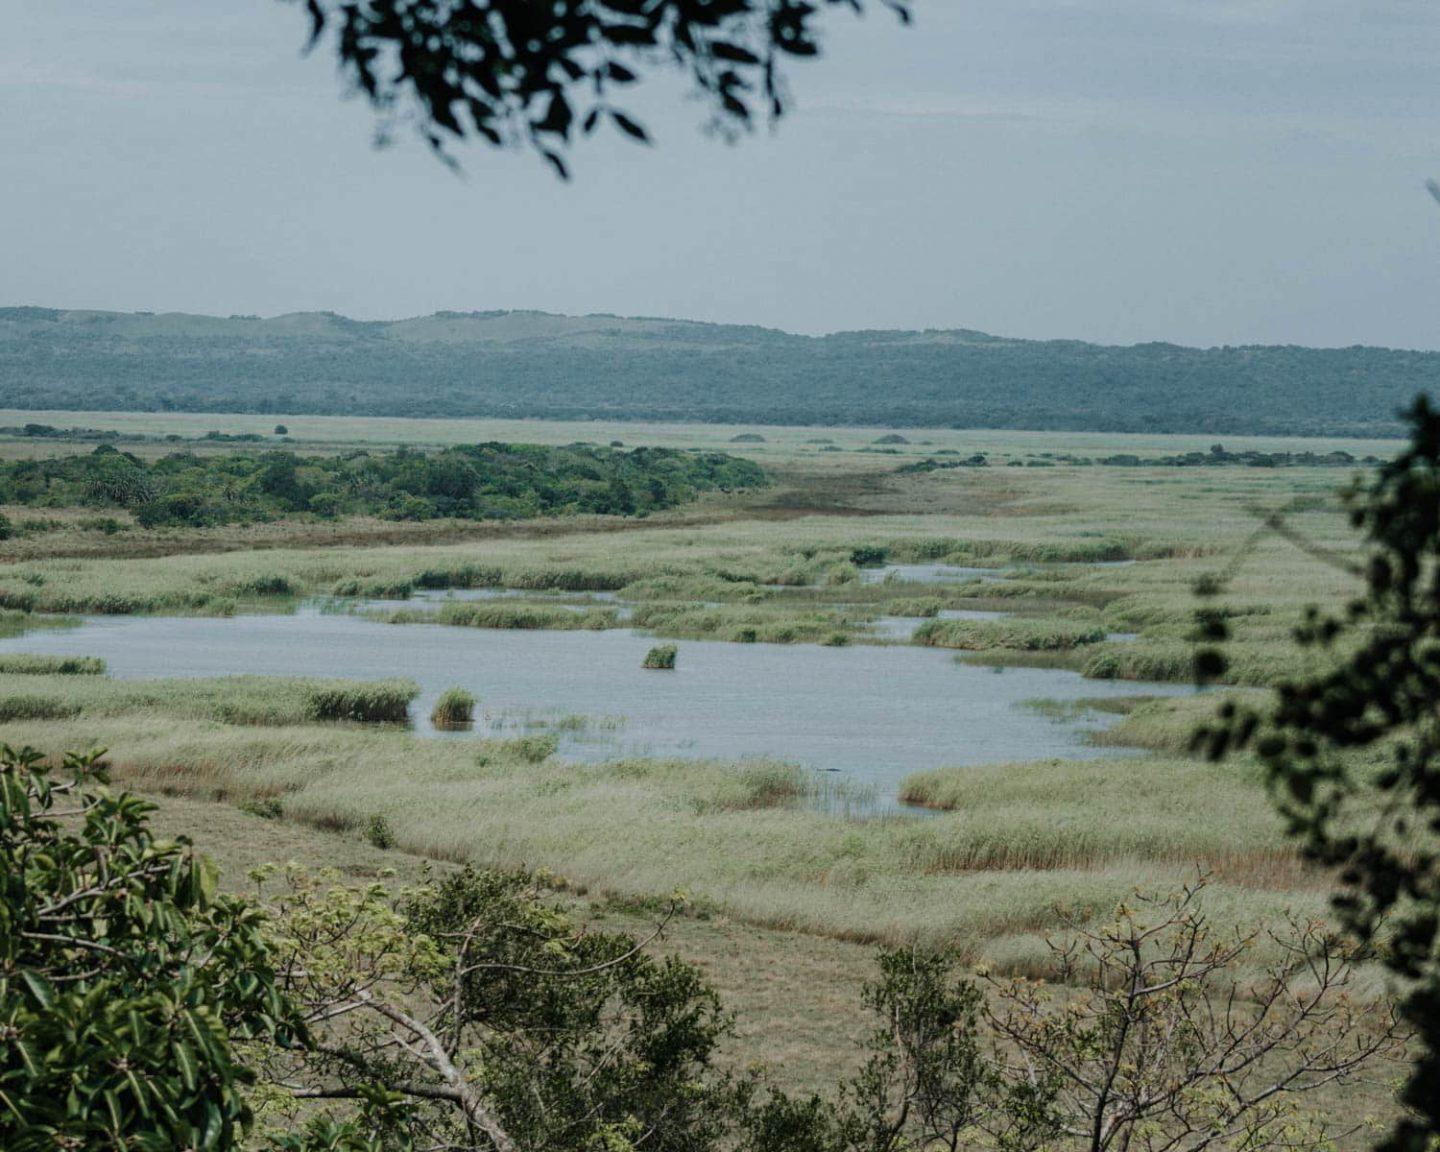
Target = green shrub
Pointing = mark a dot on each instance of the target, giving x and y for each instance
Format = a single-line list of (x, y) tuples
[(535, 749), (265, 807), (869, 556), (126, 973), (661, 658), (378, 831), (454, 709)]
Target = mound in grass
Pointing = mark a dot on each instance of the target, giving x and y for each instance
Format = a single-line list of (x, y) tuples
[(661, 658)]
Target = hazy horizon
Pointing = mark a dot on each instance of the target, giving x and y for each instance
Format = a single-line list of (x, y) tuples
[(663, 319), (1204, 174)]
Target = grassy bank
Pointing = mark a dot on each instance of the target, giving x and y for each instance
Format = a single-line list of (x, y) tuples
[(986, 876), (237, 700)]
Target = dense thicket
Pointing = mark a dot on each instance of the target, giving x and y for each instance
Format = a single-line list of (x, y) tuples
[(594, 367), (475, 482)]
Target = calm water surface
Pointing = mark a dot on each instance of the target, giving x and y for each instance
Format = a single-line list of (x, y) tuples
[(872, 713)]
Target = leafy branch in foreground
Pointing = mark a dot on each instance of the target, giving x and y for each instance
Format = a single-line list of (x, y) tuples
[(125, 980), (1353, 753), (470, 1013), (520, 72)]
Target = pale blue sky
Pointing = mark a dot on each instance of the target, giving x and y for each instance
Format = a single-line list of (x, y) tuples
[(1203, 171)]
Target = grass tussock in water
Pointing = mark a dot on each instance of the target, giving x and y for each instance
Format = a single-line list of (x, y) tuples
[(454, 709), (661, 658), (27, 664)]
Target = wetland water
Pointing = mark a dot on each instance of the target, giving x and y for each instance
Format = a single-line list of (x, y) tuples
[(873, 714)]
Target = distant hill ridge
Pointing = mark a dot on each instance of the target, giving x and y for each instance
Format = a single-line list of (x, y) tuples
[(536, 364)]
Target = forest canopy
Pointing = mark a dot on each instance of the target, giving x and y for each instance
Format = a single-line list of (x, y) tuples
[(534, 365), (474, 482)]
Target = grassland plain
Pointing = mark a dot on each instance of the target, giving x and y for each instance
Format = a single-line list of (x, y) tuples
[(781, 888)]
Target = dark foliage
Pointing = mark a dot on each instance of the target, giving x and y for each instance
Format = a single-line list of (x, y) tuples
[(125, 980), (510, 364), (519, 72), (483, 481), (1354, 753)]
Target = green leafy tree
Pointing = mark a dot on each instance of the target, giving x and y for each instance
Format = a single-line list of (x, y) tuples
[(125, 980), (471, 1013), (924, 1083)]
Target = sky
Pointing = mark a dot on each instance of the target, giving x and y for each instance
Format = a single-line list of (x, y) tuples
[(1200, 171)]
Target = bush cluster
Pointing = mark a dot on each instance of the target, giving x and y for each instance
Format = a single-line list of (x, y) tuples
[(475, 482)]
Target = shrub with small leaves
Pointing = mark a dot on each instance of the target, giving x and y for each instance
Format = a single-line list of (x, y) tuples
[(379, 832)]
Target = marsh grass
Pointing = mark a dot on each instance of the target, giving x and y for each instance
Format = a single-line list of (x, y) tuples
[(16, 623), (775, 622), (508, 614), (27, 664), (381, 702), (1043, 816), (454, 710), (241, 700), (1018, 841), (1011, 634)]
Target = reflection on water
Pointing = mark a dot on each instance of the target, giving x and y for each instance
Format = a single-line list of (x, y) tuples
[(932, 574), (903, 627), (958, 574), (871, 713)]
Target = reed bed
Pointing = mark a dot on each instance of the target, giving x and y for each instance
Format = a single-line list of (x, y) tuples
[(1012, 634), (241, 700), (506, 614), (30, 664), (992, 868)]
